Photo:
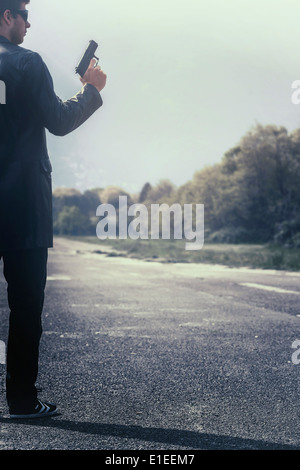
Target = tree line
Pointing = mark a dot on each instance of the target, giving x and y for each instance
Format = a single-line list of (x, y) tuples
[(251, 196)]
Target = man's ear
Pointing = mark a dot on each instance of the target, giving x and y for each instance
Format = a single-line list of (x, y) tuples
[(6, 17)]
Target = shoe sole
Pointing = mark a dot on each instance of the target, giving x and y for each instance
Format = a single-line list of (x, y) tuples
[(34, 415)]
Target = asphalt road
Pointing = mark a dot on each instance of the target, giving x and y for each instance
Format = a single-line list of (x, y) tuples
[(145, 355)]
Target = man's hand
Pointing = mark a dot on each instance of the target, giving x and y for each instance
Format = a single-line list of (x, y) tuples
[(94, 76)]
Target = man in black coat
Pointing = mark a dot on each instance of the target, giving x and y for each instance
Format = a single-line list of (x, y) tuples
[(29, 106)]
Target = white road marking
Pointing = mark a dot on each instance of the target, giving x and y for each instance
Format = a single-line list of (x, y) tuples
[(2, 352), (269, 288), (71, 335)]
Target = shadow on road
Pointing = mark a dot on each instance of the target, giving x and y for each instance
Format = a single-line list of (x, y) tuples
[(177, 437)]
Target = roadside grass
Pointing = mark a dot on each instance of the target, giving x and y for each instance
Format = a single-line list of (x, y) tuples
[(173, 251)]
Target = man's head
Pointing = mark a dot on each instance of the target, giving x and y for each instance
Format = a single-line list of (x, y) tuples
[(13, 20)]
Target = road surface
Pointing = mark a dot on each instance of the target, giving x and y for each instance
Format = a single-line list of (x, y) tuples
[(146, 355)]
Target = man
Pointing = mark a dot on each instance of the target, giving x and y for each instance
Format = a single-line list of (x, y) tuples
[(30, 107)]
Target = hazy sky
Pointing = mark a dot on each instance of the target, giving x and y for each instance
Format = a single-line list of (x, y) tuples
[(186, 80)]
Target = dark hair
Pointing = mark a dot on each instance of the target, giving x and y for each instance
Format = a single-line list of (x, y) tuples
[(11, 5)]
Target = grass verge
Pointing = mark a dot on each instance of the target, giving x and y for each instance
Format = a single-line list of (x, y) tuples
[(173, 251)]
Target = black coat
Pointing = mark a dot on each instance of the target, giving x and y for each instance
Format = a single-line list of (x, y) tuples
[(31, 106)]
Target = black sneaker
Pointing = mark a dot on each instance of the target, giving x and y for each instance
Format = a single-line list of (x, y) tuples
[(41, 410)]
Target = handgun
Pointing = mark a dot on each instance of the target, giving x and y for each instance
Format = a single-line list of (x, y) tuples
[(86, 58)]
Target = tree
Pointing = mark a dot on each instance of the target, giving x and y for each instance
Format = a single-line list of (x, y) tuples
[(162, 192), (111, 194), (262, 165), (71, 221), (86, 202), (144, 194)]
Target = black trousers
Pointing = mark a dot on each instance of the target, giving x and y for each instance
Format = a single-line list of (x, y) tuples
[(25, 273)]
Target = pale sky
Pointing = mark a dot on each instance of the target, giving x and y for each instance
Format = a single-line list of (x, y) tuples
[(186, 80)]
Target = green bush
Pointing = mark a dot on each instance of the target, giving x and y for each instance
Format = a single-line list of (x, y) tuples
[(71, 221)]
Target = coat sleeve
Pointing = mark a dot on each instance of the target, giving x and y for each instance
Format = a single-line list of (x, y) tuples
[(59, 117)]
